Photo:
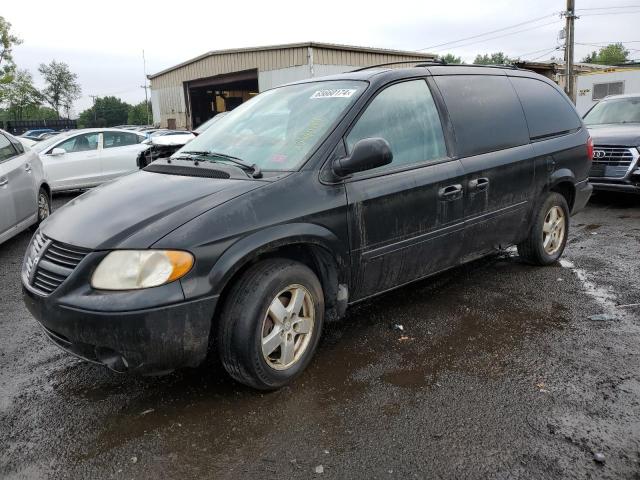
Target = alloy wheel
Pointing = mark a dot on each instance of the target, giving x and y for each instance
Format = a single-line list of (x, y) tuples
[(287, 327), (43, 206), (553, 230)]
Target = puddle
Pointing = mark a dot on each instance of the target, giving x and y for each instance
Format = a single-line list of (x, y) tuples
[(592, 226)]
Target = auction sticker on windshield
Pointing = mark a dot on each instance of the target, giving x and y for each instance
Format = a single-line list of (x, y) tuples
[(334, 93)]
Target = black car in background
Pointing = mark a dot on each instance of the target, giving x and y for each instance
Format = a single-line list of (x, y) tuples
[(614, 124), (306, 199)]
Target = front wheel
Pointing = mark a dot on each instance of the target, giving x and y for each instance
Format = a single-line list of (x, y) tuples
[(549, 231), (271, 323), (44, 207)]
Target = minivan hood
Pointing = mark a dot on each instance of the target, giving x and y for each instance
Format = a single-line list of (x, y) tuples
[(627, 134), (139, 209)]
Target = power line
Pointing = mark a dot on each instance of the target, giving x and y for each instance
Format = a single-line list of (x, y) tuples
[(535, 51), (596, 44), (609, 13), (490, 32), (609, 8), (544, 54), (500, 36)]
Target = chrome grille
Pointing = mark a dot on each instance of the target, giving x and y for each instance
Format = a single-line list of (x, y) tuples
[(53, 262), (611, 162)]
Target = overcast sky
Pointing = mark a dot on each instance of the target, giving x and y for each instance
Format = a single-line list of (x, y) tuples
[(103, 41)]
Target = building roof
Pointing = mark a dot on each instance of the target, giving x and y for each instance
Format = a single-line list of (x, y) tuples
[(557, 65), (328, 46)]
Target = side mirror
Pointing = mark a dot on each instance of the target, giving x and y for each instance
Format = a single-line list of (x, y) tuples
[(56, 152), (367, 154)]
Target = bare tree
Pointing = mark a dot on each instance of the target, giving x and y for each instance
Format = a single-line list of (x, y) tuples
[(62, 87)]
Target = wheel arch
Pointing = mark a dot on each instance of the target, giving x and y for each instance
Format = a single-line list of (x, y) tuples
[(313, 245), (563, 182)]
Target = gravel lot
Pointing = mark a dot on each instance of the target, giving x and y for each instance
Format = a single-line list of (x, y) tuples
[(502, 371)]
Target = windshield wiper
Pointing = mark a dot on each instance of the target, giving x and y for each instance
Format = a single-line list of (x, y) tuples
[(252, 167)]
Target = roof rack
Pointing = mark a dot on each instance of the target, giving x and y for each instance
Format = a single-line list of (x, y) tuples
[(436, 62), (424, 63)]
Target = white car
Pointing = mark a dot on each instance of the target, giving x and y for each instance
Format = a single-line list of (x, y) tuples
[(86, 158), (26, 142), (25, 195)]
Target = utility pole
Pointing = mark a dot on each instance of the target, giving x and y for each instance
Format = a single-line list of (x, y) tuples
[(95, 113), (146, 98), (570, 16)]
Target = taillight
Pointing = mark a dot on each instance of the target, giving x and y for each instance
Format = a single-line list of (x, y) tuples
[(590, 148)]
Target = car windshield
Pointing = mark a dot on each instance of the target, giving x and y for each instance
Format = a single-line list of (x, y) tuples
[(210, 122), (48, 142), (619, 110), (279, 128)]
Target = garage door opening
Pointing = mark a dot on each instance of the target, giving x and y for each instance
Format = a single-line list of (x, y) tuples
[(222, 93)]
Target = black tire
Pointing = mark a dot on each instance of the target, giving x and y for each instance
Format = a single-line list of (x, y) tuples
[(532, 249), (43, 206), (241, 325)]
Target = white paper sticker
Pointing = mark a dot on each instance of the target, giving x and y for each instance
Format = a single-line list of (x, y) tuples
[(334, 93)]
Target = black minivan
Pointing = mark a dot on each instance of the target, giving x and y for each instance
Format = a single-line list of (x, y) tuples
[(302, 201)]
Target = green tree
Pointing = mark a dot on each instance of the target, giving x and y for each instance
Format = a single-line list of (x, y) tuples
[(450, 58), (612, 54), (106, 112), (62, 86), (497, 58), (7, 65), (21, 96), (138, 114)]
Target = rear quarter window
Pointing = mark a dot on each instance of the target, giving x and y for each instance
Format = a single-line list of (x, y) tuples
[(485, 112), (548, 112)]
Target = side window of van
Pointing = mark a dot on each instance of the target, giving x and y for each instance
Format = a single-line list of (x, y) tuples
[(485, 112), (548, 112), (406, 116)]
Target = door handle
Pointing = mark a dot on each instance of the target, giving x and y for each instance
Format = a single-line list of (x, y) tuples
[(479, 184), (450, 193), (3, 181), (27, 167)]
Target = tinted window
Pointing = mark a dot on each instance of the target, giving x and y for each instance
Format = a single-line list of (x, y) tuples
[(6, 149), (404, 115), (485, 112), (548, 112), (119, 139), (81, 143)]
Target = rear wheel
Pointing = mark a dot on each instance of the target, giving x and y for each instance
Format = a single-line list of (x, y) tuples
[(271, 324), (549, 232)]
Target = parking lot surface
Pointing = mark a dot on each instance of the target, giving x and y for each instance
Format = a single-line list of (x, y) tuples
[(500, 370)]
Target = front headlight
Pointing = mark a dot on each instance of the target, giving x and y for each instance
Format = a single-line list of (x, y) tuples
[(135, 269)]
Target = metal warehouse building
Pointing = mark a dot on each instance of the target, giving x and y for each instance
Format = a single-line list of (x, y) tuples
[(188, 94)]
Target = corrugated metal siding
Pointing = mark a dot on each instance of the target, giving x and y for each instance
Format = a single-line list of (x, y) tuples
[(324, 56), (234, 62)]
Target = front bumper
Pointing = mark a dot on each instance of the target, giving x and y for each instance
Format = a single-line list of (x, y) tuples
[(149, 340)]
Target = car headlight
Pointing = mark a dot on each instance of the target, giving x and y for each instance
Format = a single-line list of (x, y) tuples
[(135, 269)]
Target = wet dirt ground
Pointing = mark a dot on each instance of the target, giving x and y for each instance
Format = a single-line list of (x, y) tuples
[(503, 370)]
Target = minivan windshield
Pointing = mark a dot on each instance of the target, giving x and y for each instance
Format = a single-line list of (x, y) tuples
[(279, 128), (618, 110)]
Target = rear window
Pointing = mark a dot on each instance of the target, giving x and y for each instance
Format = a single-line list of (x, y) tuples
[(485, 112), (547, 111)]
